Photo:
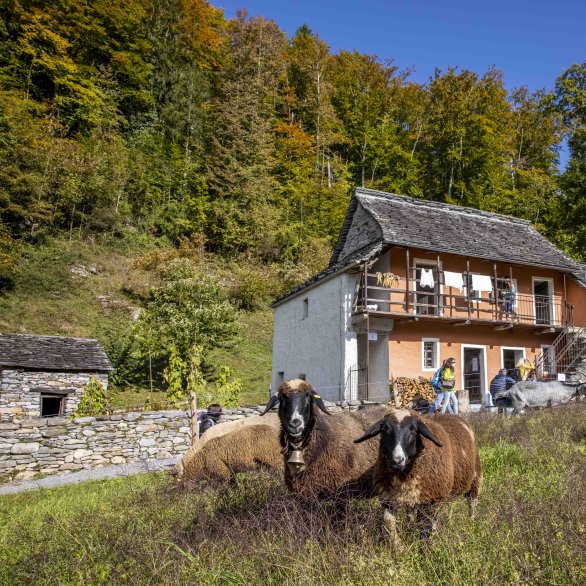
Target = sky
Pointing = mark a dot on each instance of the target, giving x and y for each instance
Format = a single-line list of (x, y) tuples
[(530, 41)]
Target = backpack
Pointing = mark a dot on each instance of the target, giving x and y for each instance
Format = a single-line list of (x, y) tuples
[(436, 379)]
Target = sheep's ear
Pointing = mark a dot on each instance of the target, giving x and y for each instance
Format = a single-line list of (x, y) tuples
[(425, 432), (372, 431), (272, 402), (319, 402)]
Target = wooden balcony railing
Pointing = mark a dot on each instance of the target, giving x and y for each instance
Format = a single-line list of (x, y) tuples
[(456, 305)]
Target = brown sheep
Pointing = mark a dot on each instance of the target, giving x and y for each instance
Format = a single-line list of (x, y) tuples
[(423, 462), (243, 450), (216, 431), (320, 458)]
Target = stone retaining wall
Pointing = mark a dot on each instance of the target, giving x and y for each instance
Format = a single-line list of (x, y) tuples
[(44, 446)]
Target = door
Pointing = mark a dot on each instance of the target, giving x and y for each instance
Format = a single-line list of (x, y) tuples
[(473, 373), (426, 289), (542, 294)]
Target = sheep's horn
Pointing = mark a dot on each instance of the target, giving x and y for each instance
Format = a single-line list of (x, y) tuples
[(272, 402)]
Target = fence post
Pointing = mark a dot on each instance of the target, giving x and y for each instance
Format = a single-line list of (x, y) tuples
[(194, 421)]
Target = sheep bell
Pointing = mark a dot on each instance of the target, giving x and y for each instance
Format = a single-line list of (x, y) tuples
[(296, 463)]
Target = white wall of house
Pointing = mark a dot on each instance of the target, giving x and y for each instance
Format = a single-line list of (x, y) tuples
[(311, 337)]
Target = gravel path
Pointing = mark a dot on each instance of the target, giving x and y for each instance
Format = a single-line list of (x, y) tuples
[(92, 474)]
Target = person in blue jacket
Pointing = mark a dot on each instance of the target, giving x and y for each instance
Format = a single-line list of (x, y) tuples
[(499, 384)]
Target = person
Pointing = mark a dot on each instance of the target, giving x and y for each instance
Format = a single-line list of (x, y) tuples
[(448, 381), (436, 383), (210, 418), (525, 368), (509, 298), (499, 384)]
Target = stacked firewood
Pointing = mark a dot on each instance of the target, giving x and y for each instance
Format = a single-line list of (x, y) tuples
[(413, 393)]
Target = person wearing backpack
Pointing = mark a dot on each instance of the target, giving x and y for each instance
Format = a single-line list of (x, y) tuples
[(448, 381), (436, 383), (210, 418)]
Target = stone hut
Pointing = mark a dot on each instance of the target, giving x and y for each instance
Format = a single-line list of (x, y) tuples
[(45, 376)]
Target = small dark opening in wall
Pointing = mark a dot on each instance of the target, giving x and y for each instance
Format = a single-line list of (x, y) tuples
[(51, 406)]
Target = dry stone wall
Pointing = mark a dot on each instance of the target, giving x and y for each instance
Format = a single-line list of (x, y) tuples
[(49, 445)]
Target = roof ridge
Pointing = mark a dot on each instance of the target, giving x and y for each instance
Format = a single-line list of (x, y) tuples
[(48, 336), (450, 207)]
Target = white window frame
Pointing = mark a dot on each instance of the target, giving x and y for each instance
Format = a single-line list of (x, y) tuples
[(503, 348), (436, 342)]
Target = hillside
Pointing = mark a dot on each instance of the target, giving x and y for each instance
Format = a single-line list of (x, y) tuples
[(93, 290)]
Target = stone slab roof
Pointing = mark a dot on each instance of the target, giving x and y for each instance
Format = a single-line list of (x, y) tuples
[(376, 219), (441, 227), (52, 353)]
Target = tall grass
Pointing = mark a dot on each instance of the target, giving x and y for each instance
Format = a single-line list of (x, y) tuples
[(530, 528)]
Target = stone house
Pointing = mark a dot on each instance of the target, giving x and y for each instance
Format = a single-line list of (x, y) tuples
[(412, 282), (45, 376)]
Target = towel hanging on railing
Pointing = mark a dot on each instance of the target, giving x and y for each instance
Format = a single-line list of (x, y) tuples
[(426, 279), (453, 280), (481, 283)]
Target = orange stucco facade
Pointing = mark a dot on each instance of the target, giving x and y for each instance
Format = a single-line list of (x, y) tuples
[(478, 340)]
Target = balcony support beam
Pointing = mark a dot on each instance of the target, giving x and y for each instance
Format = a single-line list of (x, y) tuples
[(504, 327), (545, 331), (461, 323)]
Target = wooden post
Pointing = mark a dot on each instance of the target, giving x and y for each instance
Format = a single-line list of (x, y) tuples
[(468, 281), (439, 286), (564, 307), (396, 397), (194, 421), (407, 278), (496, 295)]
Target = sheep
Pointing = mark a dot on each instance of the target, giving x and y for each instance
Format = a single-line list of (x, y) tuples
[(320, 458), (421, 463), (242, 450), (217, 431), (538, 394)]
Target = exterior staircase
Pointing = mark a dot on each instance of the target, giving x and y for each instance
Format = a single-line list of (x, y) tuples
[(567, 355)]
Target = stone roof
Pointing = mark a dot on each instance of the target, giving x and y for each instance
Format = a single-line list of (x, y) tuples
[(376, 219), (52, 353), (442, 227)]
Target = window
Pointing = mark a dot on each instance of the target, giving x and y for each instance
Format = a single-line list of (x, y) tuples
[(430, 353), (302, 376), (305, 312), (52, 405), (280, 377)]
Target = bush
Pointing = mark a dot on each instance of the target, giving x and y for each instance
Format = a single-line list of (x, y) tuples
[(94, 401)]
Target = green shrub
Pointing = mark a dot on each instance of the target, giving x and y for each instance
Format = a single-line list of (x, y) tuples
[(94, 401)]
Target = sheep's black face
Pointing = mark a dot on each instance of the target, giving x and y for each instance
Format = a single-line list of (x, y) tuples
[(295, 413), (296, 399), (400, 441)]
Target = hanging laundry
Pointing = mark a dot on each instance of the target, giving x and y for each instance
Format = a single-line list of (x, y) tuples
[(481, 283), (453, 280), (426, 279)]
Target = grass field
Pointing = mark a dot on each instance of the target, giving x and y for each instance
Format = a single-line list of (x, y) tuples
[(530, 528)]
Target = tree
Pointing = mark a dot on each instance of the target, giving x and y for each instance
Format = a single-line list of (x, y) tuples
[(571, 101)]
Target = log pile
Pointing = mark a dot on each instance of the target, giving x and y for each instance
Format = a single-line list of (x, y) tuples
[(414, 393)]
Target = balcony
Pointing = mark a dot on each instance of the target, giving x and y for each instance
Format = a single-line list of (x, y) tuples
[(399, 299)]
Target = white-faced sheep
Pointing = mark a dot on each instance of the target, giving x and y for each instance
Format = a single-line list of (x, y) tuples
[(242, 450), (421, 463), (320, 458), (218, 430)]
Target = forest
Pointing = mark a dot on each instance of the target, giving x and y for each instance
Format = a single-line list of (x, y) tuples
[(165, 120)]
